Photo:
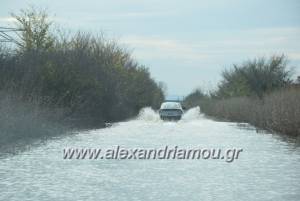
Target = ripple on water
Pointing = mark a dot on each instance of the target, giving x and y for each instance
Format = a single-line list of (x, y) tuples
[(268, 168)]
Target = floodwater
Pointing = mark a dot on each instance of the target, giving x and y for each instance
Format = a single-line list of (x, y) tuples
[(268, 168)]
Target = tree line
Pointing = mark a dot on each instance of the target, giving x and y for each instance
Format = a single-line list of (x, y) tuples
[(90, 78)]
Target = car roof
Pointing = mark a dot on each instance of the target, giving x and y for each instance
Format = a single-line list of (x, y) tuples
[(170, 105)]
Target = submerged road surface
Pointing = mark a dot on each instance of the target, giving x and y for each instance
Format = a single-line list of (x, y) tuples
[(268, 168)]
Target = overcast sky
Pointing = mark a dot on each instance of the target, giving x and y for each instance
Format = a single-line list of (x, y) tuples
[(185, 44)]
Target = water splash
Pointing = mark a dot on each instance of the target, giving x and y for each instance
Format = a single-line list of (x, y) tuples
[(192, 114), (148, 114)]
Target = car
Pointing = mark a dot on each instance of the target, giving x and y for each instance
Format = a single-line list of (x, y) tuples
[(170, 111)]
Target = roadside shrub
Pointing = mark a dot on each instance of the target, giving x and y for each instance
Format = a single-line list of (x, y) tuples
[(89, 79), (25, 120)]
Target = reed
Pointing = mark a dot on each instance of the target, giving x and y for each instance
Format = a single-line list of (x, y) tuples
[(278, 111)]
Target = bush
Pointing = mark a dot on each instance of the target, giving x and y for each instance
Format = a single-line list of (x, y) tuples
[(255, 78), (259, 92)]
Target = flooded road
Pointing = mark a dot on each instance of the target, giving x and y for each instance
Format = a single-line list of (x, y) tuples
[(267, 169)]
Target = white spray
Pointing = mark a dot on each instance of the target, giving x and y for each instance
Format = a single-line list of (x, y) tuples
[(148, 114)]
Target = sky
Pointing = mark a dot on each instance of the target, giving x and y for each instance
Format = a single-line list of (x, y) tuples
[(185, 44)]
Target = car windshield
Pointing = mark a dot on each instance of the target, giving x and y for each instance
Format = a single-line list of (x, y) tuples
[(170, 105)]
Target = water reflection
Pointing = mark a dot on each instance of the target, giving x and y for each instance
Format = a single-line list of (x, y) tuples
[(293, 141)]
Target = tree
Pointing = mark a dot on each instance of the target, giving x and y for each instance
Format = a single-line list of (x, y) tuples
[(255, 77), (35, 26)]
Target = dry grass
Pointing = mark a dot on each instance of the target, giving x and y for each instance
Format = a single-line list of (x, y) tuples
[(278, 111)]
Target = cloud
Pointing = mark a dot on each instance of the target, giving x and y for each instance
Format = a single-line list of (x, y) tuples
[(7, 19), (155, 47), (142, 14), (294, 55), (250, 43)]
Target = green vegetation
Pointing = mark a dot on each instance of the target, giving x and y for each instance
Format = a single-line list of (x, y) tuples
[(89, 79), (255, 78), (259, 92)]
